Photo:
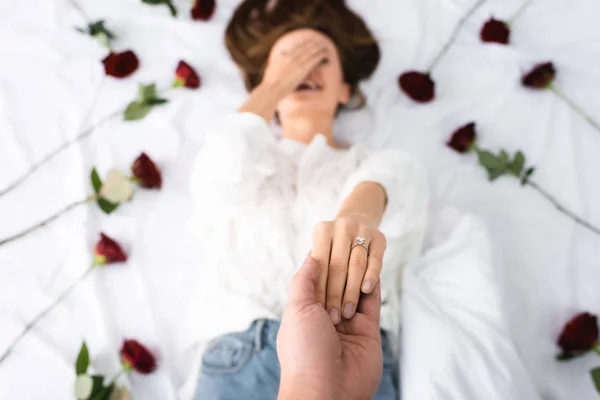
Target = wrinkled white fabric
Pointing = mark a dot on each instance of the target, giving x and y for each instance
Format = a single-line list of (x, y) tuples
[(456, 344)]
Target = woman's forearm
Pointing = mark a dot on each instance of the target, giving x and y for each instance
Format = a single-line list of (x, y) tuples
[(366, 204), (263, 101)]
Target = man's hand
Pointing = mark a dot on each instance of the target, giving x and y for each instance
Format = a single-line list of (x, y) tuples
[(320, 360)]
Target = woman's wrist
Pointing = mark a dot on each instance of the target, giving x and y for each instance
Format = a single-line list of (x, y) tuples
[(263, 101)]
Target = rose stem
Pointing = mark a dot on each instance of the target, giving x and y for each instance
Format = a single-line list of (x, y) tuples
[(79, 9), (520, 11), (596, 348), (575, 108), (46, 221), (455, 33), (562, 209), (62, 147), (34, 321)]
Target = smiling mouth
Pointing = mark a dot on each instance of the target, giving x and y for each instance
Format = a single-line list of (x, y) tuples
[(308, 86)]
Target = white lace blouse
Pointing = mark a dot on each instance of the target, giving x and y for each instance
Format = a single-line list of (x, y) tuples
[(257, 200)]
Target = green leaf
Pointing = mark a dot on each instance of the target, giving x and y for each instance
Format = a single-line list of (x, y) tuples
[(156, 101), (98, 385), (98, 27), (153, 2), (527, 175), (518, 163), (488, 160), (104, 393), (147, 92), (596, 377), (503, 157), (106, 205), (570, 355), (96, 181), (83, 360), (172, 8), (136, 111)]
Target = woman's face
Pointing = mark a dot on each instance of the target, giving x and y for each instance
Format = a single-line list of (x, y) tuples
[(328, 77)]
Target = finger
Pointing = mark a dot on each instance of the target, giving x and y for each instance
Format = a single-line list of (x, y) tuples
[(311, 58), (370, 304), (356, 272), (374, 262), (307, 45), (338, 267), (304, 284), (321, 251)]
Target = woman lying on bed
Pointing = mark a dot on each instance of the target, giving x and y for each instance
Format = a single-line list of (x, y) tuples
[(262, 203)]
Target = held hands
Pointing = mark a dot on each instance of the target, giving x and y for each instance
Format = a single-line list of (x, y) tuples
[(345, 267), (322, 361)]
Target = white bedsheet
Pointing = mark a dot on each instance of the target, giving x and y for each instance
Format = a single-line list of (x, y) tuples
[(50, 76)]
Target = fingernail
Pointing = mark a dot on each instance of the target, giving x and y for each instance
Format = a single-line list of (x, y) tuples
[(348, 310), (367, 286), (335, 316)]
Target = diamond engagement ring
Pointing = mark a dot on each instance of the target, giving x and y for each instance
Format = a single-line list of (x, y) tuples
[(360, 241)]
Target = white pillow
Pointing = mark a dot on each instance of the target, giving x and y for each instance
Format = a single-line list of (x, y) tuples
[(455, 341)]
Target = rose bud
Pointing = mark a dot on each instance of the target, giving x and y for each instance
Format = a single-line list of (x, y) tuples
[(108, 251), (495, 31), (540, 77), (146, 173), (135, 356), (121, 65), (203, 10), (578, 336), (463, 138), (186, 76), (417, 85)]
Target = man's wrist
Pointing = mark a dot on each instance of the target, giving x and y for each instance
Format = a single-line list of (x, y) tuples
[(304, 388)]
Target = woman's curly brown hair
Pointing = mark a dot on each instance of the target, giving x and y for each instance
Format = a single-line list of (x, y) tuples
[(257, 24)]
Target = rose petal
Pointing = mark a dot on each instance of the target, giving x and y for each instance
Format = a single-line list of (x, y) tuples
[(495, 31), (189, 76), (116, 188), (540, 77), (418, 86), (203, 10), (463, 138), (136, 356), (146, 172), (108, 251), (579, 334), (83, 386), (121, 65)]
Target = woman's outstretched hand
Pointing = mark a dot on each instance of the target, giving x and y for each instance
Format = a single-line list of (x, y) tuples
[(322, 361), (346, 268)]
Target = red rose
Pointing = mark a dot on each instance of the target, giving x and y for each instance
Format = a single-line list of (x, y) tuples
[(121, 65), (187, 76), (146, 172), (463, 138), (417, 85), (136, 356), (540, 77), (108, 251), (203, 10), (495, 31), (580, 334)]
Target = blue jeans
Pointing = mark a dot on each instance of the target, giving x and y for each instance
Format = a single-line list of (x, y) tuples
[(244, 365)]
